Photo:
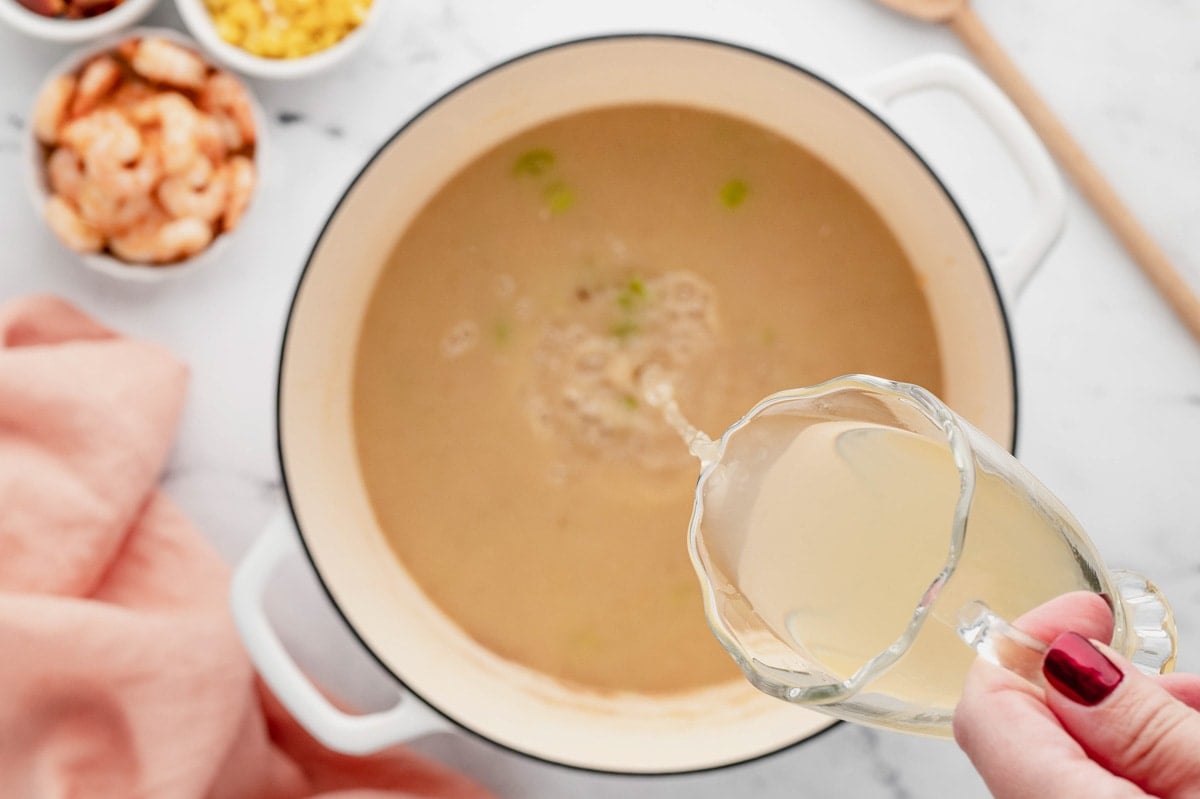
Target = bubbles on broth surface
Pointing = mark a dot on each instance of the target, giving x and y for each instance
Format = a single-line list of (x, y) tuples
[(587, 389), (460, 339)]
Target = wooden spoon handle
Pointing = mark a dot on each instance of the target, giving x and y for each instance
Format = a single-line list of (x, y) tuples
[(1137, 241)]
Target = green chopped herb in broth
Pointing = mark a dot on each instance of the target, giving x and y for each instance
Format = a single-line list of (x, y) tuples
[(558, 197), (502, 331), (624, 329), (734, 193), (533, 163), (630, 402), (632, 295)]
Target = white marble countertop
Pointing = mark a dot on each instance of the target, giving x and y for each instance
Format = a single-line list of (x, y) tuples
[(1109, 380)]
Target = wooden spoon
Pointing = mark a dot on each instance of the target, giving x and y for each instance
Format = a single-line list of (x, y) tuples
[(1149, 256)]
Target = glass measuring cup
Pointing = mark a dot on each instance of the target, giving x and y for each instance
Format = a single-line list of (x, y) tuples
[(848, 535)]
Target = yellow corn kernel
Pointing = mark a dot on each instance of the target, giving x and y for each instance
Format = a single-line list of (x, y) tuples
[(230, 31), (286, 28)]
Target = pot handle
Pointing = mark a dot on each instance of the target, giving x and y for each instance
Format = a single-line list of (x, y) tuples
[(339, 731), (1017, 265)]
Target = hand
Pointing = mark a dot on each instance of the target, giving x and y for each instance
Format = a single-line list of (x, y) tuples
[(1102, 729)]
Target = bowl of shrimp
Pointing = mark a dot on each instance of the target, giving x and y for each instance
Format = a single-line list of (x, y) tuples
[(143, 158)]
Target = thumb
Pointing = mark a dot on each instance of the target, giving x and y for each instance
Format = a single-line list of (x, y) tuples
[(1126, 721)]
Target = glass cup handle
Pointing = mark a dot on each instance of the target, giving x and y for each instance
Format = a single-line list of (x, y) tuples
[(998, 642), (1151, 640)]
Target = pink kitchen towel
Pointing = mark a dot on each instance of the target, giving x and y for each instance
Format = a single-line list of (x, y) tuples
[(121, 673)]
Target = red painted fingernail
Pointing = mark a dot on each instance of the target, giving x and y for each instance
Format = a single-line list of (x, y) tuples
[(1079, 671)]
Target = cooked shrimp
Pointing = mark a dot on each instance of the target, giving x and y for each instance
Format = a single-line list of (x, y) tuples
[(65, 172), (104, 138), (241, 180), (199, 193), (157, 242), (198, 174), (50, 110), (139, 178), (225, 97), (97, 80), (70, 228), (212, 137), (166, 62), (128, 48), (109, 214), (179, 127), (129, 93)]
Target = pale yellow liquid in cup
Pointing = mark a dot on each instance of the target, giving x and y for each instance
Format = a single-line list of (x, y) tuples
[(833, 531)]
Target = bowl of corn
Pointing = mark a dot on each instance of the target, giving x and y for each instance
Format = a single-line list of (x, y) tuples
[(279, 38)]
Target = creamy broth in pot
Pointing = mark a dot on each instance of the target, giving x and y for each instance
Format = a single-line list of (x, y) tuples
[(518, 473)]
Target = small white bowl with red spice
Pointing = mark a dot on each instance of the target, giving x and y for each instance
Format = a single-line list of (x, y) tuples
[(73, 20), (142, 157), (252, 38)]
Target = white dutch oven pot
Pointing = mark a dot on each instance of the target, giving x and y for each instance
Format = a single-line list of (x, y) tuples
[(442, 669)]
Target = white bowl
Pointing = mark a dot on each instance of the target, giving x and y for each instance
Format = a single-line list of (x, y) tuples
[(200, 24), (38, 188), (54, 29)]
